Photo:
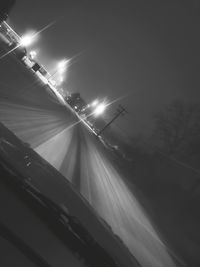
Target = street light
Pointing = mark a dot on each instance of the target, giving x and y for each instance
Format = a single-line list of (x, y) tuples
[(62, 65), (100, 108), (59, 72), (94, 103), (61, 68), (27, 40)]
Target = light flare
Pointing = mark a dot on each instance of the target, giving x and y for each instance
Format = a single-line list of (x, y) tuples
[(100, 109), (28, 39)]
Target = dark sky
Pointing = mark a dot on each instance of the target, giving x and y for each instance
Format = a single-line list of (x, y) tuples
[(148, 52)]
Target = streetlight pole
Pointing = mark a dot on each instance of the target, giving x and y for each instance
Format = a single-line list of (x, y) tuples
[(120, 111)]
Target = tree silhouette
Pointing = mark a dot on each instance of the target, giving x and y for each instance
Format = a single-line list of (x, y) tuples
[(177, 128)]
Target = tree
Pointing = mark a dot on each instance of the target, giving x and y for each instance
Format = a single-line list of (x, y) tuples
[(177, 128)]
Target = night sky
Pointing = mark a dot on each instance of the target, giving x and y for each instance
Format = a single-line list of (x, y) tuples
[(146, 52)]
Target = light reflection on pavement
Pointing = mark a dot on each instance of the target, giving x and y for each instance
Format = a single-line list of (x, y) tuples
[(54, 132)]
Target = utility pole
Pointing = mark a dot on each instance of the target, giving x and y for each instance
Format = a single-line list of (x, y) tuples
[(120, 111)]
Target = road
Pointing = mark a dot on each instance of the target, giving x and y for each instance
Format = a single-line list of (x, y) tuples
[(38, 118)]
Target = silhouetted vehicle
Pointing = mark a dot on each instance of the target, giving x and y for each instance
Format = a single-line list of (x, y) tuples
[(76, 101)]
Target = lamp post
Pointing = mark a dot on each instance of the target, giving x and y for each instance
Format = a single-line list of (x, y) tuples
[(120, 111)]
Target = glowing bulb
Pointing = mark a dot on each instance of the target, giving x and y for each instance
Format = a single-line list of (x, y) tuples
[(27, 40), (95, 103), (100, 108), (62, 65)]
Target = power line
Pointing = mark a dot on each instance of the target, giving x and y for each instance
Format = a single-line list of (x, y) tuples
[(121, 111)]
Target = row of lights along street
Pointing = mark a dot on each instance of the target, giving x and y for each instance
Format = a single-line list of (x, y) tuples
[(17, 45)]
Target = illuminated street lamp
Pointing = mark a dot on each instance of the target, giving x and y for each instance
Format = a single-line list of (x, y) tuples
[(27, 40), (62, 65), (61, 68), (100, 108), (94, 103)]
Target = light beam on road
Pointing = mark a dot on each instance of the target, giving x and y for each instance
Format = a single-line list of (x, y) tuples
[(55, 133)]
